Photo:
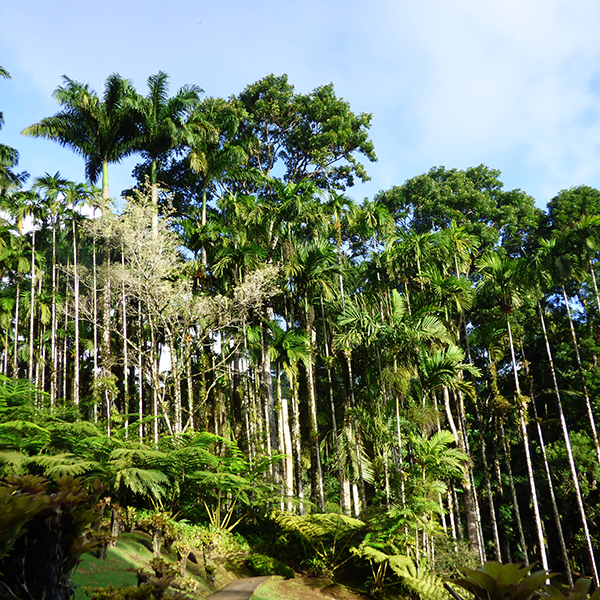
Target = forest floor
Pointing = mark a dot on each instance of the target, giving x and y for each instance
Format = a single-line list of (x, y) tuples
[(133, 551)]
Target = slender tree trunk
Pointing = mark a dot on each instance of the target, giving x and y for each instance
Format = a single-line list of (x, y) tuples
[(399, 439), (106, 346), (530, 475), (314, 428), (16, 343), (588, 404), (567, 440), (343, 504), (125, 355), (140, 367), (297, 442), (513, 492), (31, 308), (190, 388), (267, 393), (95, 309), (488, 485), (53, 324), (76, 367), (361, 480), (470, 511)]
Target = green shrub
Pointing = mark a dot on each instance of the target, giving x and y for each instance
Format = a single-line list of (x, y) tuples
[(260, 564)]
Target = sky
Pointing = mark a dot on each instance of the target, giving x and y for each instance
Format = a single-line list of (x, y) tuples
[(512, 84)]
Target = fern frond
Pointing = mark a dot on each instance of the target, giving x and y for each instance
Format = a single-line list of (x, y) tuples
[(426, 585), (318, 525), (61, 465), (146, 482), (12, 463)]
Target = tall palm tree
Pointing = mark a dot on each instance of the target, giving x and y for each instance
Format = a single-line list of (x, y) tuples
[(9, 158), (161, 123), (539, 274), (99, 129), (52, 187), (499, 278)]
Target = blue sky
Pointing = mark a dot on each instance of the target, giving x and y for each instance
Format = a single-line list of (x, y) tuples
[(511, 84)]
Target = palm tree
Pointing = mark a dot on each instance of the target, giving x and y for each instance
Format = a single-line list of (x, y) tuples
[(53, 186), (76, 194), (539, 273), (499, 278), (161, 124), (562, 267), (9, 158), (99, 129)]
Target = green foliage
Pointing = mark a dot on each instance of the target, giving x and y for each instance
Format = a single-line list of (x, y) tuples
[(417, 581), (220, 472), (267, 565), (145, 482), (580, 591), (17, 392), (41, 533), (329, 535), (495, 581)]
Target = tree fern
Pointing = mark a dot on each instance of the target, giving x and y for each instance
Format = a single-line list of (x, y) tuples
[(145, 482), (424, 584), (61, 465), (16, 392), (12, 462), (23, 436), (328, 534)]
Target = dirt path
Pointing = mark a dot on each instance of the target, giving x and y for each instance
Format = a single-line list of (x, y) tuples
[(241, 589)]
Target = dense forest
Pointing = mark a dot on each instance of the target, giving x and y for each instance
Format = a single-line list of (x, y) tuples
[(241, 336)]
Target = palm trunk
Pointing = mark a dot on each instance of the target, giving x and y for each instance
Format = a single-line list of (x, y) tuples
[(76, 377), (31, 308), (267, 392), (361, 480), (513, 492), (582, 377), (488, 485), (53, 325), (317, 471), (343, 504), (125, 356), (296, 441), (530, 475), (95, 309), (567, 440), (106, 346), (470, 510), (154, 193), (399, 439), (16, 343), (140, 367)]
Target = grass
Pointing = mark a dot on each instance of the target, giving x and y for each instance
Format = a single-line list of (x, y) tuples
[(133, 551), (119, 567)]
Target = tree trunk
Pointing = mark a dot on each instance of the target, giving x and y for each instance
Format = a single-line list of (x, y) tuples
[(31, 308), (297, 442), (513, 492), (588, 404), (567, 440), (76, 367), (470, 510), (314, 430)]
